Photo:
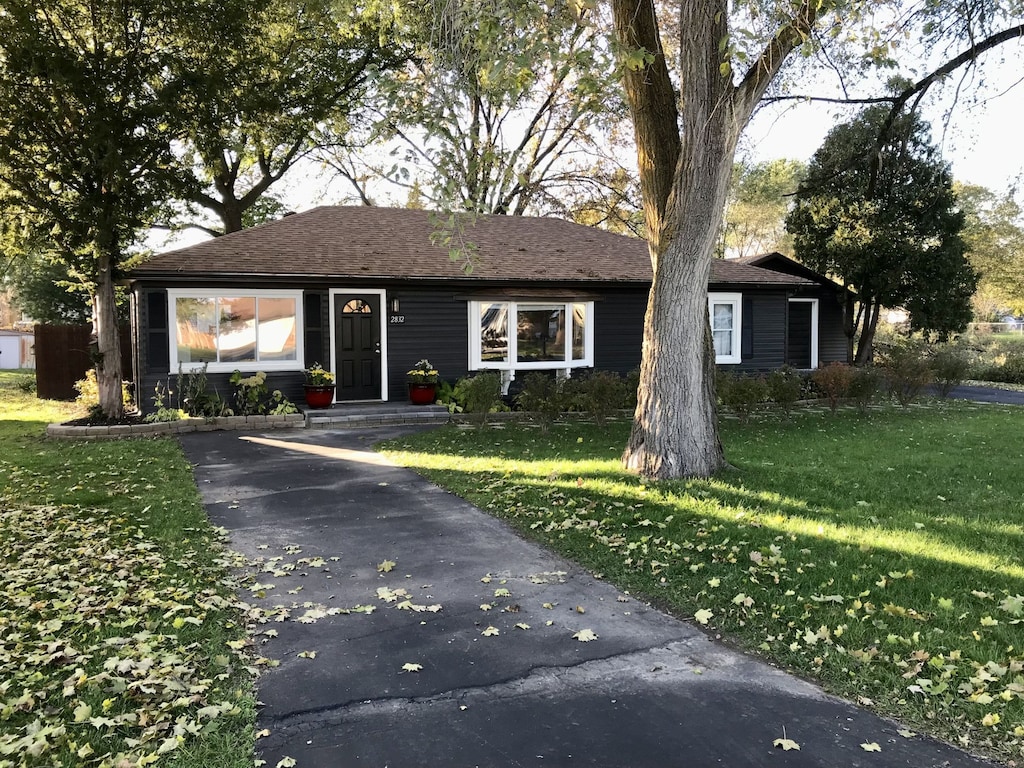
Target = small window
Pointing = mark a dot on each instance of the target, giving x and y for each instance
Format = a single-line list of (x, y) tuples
[(725, 317), (246, 330), (357, 307)]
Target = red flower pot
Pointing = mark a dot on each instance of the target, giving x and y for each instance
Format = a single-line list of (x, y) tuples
[(319, 397), (422, 394)]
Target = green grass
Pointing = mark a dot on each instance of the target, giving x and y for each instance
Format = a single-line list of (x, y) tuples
[(882, 556), (116, 604)]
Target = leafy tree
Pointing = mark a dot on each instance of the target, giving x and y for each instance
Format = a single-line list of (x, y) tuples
[(302, 65), (95, 95), (759, 199), (501, 111), (43, 291), (885, 222), (729, 56), (994, 233)]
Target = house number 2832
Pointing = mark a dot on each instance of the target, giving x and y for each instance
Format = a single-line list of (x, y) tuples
[(396, 319)]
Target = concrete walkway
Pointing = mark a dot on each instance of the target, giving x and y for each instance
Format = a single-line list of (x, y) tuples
[(648, 691)]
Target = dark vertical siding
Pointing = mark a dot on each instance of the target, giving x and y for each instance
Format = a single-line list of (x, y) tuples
[(619, 329), (832, 342), (317, 327), (435, 327), (766, 330)]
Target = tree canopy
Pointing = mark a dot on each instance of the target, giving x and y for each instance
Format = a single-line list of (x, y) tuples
[(759, 200), (885, 221), (994, 234)]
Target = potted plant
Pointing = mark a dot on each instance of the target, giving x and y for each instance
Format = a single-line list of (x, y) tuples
[(319, 386), (423, 380)]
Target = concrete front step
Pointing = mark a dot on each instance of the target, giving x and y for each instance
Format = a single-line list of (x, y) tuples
[(373, 415)]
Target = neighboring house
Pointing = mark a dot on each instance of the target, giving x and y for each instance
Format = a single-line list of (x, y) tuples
[(365, 292), (16, 349), (814, 324)]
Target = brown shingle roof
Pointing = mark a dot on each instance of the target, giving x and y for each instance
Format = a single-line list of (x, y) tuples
[(360, 241)]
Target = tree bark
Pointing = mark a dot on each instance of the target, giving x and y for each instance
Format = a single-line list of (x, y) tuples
[(685, 171), (108, 343)]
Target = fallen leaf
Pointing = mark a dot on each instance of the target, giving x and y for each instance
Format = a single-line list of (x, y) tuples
[(410, 667), (585, 635), (387, 566), (490, 632), (906, 734), (306, 654), (786, 744), (871, 747), (286, 762), (522, 625), (703, 616)]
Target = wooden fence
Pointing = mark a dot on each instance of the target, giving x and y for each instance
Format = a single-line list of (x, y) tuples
[(62, 358)]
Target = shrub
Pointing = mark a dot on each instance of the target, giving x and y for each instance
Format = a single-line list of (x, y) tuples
[(89, 394), (863, 386), (26, 384), (252, 396), (834, 381), (785, 387), (741, 394), (1006, 369), (194, 397), (907, 370), (632, 385), (601, 394), (950, 364), (480, 395), (542, 396)]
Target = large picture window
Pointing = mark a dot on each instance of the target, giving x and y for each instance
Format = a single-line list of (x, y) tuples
[(527, 335), (229, 330), (724, 312)]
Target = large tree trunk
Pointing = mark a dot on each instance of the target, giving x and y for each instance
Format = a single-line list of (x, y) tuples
[(108, 344), (684, 183)]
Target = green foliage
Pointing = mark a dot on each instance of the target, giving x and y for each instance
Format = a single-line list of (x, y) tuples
[(445, 395), (89, 394), (950, 364), (600, 394), (1005, 369), (543, 397), (480, 395), (891, 229), (834, 381), (252, 396), (741, 393), (759, 199), (864, 385), (906, 368), (994, 234), (194, 397), (785, 387)]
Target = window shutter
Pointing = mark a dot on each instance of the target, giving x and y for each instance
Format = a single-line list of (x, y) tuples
[(313, 304), (157, 351), (747, 330)]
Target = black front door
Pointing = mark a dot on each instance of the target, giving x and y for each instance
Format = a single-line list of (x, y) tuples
[(357, 346), (798, 336)]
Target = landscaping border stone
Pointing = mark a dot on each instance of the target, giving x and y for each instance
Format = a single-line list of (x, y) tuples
[(162, 428)]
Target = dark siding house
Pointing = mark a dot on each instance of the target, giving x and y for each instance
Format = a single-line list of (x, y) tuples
[(365, 292)]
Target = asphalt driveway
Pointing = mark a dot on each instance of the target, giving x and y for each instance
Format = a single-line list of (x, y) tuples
[(339, 529)]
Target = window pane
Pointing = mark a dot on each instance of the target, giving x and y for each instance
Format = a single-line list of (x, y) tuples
[(540, 333), (277, 329), (196, 321), (579, 331), (236, 340), (494, 333), (723, 343), (357, 307), (721, 317)]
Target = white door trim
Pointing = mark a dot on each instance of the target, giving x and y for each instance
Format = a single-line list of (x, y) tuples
[(382, 294), (814, 328)]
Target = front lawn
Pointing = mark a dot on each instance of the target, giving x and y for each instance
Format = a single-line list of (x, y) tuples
[(882, 556), (118, 627)]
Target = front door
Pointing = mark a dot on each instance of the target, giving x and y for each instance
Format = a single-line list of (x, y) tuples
[(798, 347), (357, 345)]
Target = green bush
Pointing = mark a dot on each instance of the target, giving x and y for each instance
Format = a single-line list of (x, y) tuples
[(89, 394), (907, 370), (480, 395), (950, 364), (863, 386), (785, 387), (253, 398), (542, 396), (742, 394), (600, 394), (194, 397), (632, 385), (1005, 369), (834, 381)]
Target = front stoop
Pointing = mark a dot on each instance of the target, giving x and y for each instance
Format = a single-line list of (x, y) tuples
[(357, 415)]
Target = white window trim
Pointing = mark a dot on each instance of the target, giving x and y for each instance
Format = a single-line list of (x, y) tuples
[(333, 293), (174, 294), (736, 300), (814, 328), (511, 365)]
